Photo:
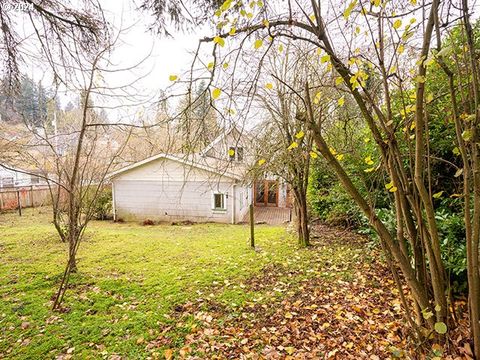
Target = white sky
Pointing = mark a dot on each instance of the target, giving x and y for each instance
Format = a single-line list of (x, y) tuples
[(168, 55)]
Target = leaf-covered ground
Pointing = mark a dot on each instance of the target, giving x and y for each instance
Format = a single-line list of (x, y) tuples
[(198, 292), (340, 302)]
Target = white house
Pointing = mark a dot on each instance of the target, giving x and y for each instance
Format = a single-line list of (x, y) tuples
[(18, 178), (207, 186)]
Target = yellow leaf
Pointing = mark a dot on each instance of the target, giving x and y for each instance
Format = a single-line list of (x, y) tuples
[(420, 79), (173, 77), (393, 189), (232, 31), (429, 62), (456, 195), (266, 23), (258, 43), (225, 65), (313, 154), (250, 15), (368, 160), (389, 185), (441, 327), (348, 10), (341, 101), (369, 170), (231, 152), (210, 65), (280, 48), (332, 151), (216, 93), (168, 354), (300, 134), (401, 48), (219, 40), (325, 58), (316, 99), (293, 145), (226, 5), (397, 24), (413, 2), (261, 162), (412, 126), (288, 315), (269, 86), (437, 195), (467, 135), (338, 80), (340, 157), (458, 172), (290, 350)]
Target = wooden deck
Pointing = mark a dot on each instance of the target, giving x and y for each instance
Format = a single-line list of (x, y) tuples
[(270, 215)]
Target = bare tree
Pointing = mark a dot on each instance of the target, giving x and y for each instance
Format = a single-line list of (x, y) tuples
[(284, 149)]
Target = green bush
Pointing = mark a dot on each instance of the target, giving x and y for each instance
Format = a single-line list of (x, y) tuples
[(103, 205), (451, 227)]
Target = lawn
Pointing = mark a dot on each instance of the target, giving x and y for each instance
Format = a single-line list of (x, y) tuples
[(131, 277), (196, 291)]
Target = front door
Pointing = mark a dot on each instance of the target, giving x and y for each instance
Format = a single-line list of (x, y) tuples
[(266, 193)]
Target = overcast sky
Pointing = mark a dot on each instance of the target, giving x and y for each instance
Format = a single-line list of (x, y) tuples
[(168, 55)]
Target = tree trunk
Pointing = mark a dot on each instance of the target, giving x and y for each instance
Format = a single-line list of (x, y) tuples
[(302, 218)]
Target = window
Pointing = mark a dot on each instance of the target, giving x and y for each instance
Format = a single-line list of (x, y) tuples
[(240, 154), (235, 153), (7, 182), (34, 180), (219, 202)]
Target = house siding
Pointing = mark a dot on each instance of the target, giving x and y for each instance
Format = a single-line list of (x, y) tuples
[(165, 190)]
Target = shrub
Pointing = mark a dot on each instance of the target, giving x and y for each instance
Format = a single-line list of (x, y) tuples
[(103, 205)]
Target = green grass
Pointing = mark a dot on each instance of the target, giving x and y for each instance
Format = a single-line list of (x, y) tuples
[(130, 279)]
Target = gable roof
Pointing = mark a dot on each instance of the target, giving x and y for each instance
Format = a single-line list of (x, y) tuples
[(189, 161), (222, 136)]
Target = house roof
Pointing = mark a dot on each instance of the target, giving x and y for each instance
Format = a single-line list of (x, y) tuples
[(222, 136), (195, 161)]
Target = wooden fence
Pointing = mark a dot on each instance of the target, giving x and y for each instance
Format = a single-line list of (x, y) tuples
[(23, 197)]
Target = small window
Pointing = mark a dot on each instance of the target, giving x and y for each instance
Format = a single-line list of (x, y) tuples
[(7, 182), (240, 154), (34, 179), (219, 202), (235, 153)]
